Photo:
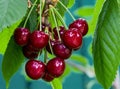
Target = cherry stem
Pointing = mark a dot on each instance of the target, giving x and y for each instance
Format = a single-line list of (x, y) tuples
[(50, 47), (45, 55), (67, 10), (40, 18), (29, 13), (53, 14), (60, 17), (42, 3)]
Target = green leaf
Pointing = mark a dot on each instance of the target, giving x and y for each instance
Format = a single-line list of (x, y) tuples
[(12, 60), (106, 44), (11, 11), (97, 10), (5, 36), (85, 11), (71, 3), (60, 8), (56, 84)]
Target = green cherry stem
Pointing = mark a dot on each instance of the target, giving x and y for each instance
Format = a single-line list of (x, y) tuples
[(29, 13), (40, 14), (53, 14), (67, 10), (45, 55), (60, 17)]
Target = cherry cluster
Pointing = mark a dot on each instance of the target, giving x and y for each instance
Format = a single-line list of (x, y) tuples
[(59, 42)]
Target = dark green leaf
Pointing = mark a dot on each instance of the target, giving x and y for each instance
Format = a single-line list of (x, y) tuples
[(60, 8), (56, 84), (11, 11), (12, 60), (5, 36), (106, 44)]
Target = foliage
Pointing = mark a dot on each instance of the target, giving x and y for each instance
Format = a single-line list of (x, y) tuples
[(106, 44)]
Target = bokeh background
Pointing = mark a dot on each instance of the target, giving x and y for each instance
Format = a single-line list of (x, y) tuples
[(74, 80)]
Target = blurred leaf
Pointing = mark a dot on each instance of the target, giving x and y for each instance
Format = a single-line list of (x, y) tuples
[(106, 44), (5, 36), (11, 11), (79, 58), (97, 9), (71, 3), (56, 84), (12, 60), (85, 11)]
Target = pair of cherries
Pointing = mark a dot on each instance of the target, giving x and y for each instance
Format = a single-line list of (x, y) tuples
[(33, 43)]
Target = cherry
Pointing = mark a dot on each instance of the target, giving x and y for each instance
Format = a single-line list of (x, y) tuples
[(39, 39), (81, 24), (61, 32), (60, 50), (72, 38), (35, 69), (56, 67), (47, 77), (21, 36), (52, 43)]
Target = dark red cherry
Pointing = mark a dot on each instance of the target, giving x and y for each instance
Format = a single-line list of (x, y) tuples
[(61, 32), (21, 36), (81, 24), (30, 52), (47, 77), (39, 39), (60, 50), (52, 43), (35, 69), (72, 38), (56, 67)]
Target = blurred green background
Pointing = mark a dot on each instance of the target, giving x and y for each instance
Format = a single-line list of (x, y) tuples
[(75, 80)]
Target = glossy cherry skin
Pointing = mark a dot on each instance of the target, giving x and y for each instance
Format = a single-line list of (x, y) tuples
[(21, 36), (81, 24), (39, 39), (47, 77), (61, 32), (56, 67), (60, 50), (35, 69), (72, 38), (52, 43)]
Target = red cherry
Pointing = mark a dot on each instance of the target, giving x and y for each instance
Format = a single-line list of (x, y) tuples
[(72, 38), (35, 69), (61, 32), (39, 39), (47, 77), (56, 67), (81, 24), (60, 50), (21, 36)]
